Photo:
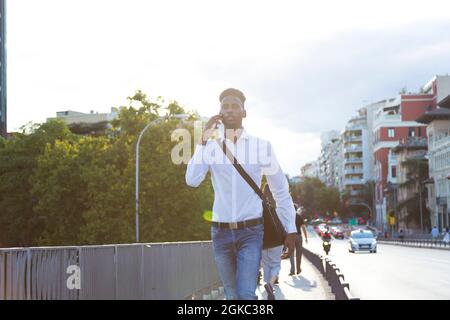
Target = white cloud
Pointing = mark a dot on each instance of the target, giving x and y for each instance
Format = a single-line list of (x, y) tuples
[(305, 66)]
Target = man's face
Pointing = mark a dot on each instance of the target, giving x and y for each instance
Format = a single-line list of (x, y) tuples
[(232, 111)]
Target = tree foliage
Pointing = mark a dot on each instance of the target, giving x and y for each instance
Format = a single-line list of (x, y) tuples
[(316, 197), (58, 188)]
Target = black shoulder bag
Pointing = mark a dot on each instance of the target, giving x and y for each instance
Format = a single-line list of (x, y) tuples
[(274, 232)]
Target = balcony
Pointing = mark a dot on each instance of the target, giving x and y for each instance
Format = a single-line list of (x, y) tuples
[(353, 138), (353, 149), (355, 193), (354, 171), (355, 127), (353, 182), (383, 118), (440, 141), (353, 160)]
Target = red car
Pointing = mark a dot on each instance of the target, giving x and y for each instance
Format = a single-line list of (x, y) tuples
[(337, 233), (321, 229)]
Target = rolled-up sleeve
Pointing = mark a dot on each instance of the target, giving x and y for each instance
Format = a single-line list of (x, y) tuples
[(280, 190), (197, 167)]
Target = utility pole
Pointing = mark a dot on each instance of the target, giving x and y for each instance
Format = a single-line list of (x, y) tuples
[(158, 120), (3, 91), (420, 206)]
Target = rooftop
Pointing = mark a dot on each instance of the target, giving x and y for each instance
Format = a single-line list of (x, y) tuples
[(437, 114), (445, 103)]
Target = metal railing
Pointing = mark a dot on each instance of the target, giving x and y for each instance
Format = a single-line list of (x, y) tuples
[(353, 160), (353, 181), (354, 171), (353, 149), (353, 138), (161, 271), (419, 243), (332, 274)]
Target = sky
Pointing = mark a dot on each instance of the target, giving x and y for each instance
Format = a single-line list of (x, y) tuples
[(304, 66)]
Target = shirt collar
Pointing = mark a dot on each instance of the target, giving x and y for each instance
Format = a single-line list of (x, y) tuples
[(244, 135)]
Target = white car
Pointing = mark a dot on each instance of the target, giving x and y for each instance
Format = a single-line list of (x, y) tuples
[(362, 240)]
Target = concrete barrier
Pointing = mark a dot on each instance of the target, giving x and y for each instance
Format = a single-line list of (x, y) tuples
[(332, 274)]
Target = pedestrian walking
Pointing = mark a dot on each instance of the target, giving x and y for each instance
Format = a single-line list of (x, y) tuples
[(271, 264), (446, 238), (434, 233), (237, 230), (300, 224), (401, 235)]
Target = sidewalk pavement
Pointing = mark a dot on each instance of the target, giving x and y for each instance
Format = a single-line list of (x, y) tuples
[(308, 285)]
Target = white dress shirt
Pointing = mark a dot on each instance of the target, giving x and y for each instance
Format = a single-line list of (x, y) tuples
[(234, 199)]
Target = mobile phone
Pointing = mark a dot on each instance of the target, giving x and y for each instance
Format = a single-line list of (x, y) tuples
[(220, 122), (220, 127)]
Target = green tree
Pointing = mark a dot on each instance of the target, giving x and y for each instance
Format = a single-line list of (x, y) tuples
[(19, 224), (316, 197), (417, 173), (58, 188), (169, 210)]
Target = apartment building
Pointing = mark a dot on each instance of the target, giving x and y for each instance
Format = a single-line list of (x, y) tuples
[(93, 123), (412, 174), (357, 155), (394, 120), (311, 169), (328, 163), (438, 133)]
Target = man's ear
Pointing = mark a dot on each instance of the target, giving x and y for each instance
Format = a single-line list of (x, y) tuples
[(244, 115)]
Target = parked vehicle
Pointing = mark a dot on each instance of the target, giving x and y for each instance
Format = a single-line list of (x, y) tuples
[(317, 221), (321, 229), (362, 240), (335, 221), (337, 233)]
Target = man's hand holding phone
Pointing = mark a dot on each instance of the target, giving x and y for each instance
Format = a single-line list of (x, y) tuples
[(211, 125)]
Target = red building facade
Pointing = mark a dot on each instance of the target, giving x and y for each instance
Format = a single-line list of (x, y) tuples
[(395, 120)]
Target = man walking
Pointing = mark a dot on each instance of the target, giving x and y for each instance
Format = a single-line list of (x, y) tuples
[(300, 223), (237, 227)]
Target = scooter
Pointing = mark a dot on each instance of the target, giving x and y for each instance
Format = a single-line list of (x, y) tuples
[(326, 244)]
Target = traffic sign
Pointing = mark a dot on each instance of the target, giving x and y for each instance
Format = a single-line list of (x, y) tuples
[(391, 220)]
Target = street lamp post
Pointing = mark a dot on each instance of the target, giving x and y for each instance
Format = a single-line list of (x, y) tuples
[(420, 206), (137, 165)]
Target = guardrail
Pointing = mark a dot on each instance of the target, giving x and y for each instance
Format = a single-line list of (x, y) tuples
[(159, 271), (332, 274), (418, 243)]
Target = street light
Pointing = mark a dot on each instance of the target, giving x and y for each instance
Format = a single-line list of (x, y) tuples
[(177, 116)]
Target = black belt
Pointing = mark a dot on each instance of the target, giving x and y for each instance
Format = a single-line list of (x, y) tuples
[(238, 225)]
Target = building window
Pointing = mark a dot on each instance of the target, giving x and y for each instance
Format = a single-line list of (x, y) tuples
[(412, 132), (394, 172), (391, 133)]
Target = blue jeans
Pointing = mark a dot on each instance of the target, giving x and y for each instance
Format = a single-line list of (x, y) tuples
[(298, 254), (271, 263), (238, 259)]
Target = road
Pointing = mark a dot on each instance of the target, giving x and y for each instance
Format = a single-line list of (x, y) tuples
[(393, 273)]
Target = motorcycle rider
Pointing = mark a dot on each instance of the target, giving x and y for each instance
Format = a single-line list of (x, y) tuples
[(326, 238)]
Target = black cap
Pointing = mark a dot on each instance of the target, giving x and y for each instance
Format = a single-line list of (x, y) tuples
[(232, 92)]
